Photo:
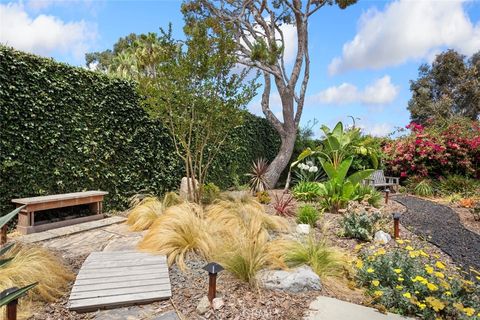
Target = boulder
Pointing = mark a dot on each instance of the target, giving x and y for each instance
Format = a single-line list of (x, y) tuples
[(382, 237), (294, 280), (217, 303), (184, 187), (303, 229)]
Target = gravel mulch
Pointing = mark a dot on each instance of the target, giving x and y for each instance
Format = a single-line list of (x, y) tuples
[(441, 226)]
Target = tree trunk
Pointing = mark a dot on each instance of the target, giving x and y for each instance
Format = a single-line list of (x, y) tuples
[(282, 159)]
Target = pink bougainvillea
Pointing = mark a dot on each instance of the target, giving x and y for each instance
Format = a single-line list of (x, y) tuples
[(436, 150)]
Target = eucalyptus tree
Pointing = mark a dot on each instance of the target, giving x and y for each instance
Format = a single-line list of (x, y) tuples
[(258, 30)]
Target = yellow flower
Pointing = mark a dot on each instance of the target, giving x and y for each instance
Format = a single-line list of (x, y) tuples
[(413, 254), (421, 305), (399, 287), (440, 275), (358, 247), (432, 287), (429, 269), (407, 295), (359, 264), (400, 241), (401, 279), (439, 265), (470, 283), (448, 293), (436, 304), (458, 306), (378, 293), (423, 254), (420, 279), (469, 311), (409, 248), (376, 283), (381, 251), (370, 270), (397, 270)]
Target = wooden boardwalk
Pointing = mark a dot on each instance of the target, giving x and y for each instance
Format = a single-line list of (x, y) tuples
[(119, 278)]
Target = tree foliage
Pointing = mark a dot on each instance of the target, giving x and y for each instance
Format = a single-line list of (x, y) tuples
[(447, 88)]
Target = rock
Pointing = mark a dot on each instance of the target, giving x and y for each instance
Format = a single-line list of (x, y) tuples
[(342, 211), (203, 306), (382, 237), (303, 228), (295, 280), (184, 187), (217, 303)]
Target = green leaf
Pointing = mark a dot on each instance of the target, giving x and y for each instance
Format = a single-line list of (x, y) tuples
[(6, 248), (343, 169), (338, 130), (15, 294), (328, 168), (4, 261), (357, 177), (6, 218)]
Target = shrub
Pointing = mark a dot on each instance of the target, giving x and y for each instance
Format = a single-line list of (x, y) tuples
[(458, 184), (210, 192), (284, 205), (308, 215), (306, 191), (263, 197), (359, 226), (439, 149), (258, 180), (369, 194), (35, 264), (424, 188), (411, 282)]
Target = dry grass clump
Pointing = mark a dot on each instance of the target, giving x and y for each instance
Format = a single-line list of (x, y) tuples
[(179, 230), (146, 209), (35, 264)]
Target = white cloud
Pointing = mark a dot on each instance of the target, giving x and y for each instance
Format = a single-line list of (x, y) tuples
[(382, 91), (378, 129), (408, 30), (43, 34)]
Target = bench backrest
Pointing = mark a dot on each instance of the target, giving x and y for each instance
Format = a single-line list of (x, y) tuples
[(378, 177)]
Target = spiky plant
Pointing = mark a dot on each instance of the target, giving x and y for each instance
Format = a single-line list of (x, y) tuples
[(179, 230), (308, 215), (424, 188), (284, 205), (258, 180)]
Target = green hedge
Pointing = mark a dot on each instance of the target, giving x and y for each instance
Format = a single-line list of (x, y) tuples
[(67, 129)]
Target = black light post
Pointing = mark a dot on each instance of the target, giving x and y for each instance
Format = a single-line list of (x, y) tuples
[(213, 268), (11, 309), (387, 192)]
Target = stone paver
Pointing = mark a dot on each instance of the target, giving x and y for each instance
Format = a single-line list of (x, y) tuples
[(326, 308), (66, 231)]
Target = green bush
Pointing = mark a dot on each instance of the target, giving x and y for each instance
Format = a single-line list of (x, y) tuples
[(458, 184), (359, 226), (67, 129), (306, 191), (408, 281), (424, 188), (308, 215), (210, 192), (369, 194)]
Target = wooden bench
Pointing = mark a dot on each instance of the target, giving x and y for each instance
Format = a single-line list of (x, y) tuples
[(379, 180), (26, 217)]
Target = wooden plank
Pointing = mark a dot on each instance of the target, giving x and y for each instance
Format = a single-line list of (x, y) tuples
[(59, 224), (134, 277), (92, 274), (125, 256), (63, 196), (84, 305), (119, 291), (119, 284), (93, 265)]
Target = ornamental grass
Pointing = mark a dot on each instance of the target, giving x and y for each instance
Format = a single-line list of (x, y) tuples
[(30, 265)]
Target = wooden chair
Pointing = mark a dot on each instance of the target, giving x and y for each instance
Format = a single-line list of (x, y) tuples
[(379, 180)]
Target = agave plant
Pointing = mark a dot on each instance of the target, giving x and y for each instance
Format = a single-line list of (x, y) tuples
[(258, 180), (13, 294)]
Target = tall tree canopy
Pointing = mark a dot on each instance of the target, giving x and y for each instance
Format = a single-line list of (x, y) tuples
[(449, 87), (257, 27)]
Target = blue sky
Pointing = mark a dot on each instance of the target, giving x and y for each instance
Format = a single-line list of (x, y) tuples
[(362, 58)]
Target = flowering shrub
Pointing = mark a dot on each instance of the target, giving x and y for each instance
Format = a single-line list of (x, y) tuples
[(411, 282), (436, 150), (307, 171)]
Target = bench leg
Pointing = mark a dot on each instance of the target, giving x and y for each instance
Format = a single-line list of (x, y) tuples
[(96, 207), (26, 220)]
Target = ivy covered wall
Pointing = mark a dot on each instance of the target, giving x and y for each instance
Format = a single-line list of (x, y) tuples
[(67, 129)]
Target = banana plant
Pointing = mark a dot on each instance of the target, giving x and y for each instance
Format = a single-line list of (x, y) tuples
[(9, 216), (340, 189)]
